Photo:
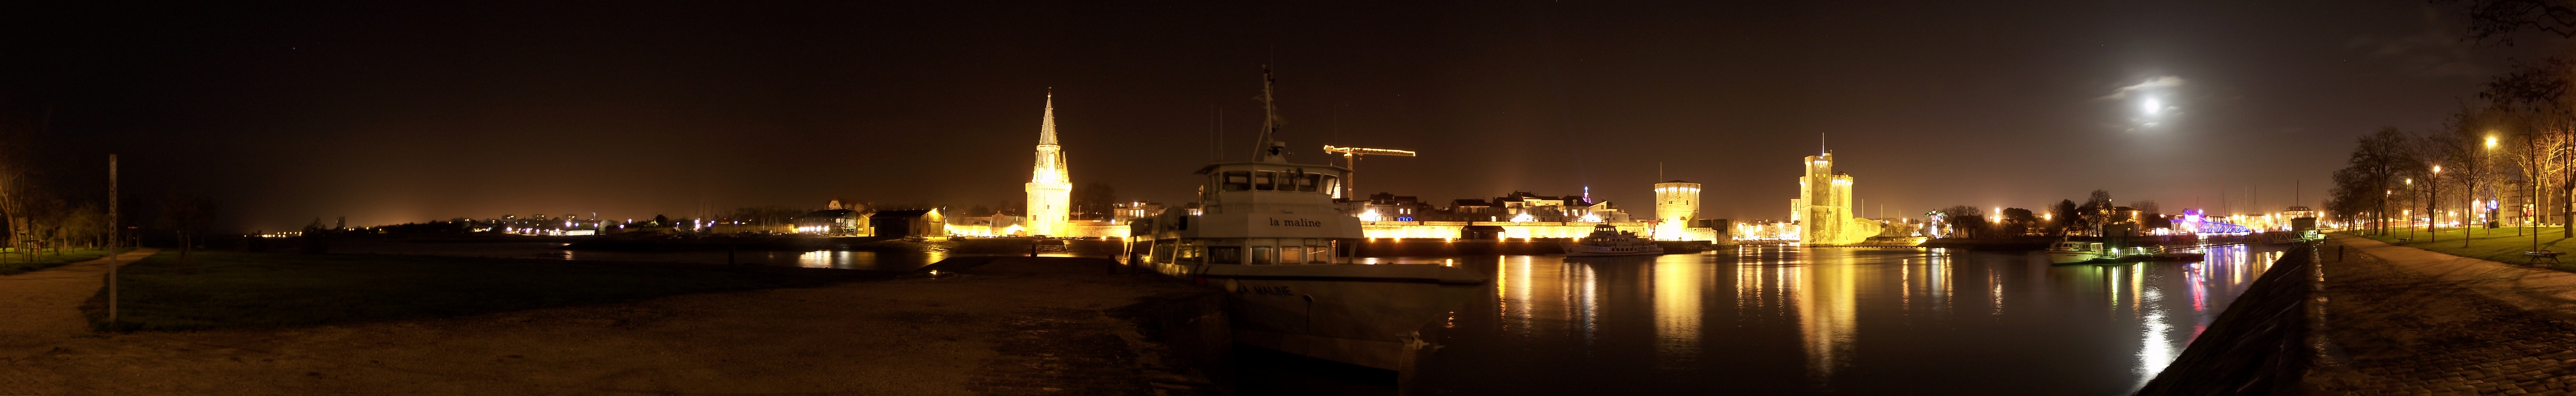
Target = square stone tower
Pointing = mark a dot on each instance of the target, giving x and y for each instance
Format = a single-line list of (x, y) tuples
[(1824, 204)]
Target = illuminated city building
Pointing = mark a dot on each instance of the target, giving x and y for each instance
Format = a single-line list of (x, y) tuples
[(908, 223), (1050, 188), (836, 219)]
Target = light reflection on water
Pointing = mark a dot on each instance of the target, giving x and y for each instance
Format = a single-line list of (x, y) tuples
[(1830, 321)]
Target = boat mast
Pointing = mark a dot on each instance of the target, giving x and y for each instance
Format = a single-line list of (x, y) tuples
[(1267, 148)]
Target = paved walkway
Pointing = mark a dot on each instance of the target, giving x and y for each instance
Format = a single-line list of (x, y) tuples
[(2405, 321), (2545, 291), (40, 308)]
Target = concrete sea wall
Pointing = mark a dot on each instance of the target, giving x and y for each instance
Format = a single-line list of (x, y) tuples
[(2259, 346)]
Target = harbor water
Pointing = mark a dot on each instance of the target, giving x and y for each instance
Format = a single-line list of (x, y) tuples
[(1755, 320), (1788, 320)]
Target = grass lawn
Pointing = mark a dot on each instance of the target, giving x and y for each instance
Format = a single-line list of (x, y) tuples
[(2499, 245), (13, 264), (233, 289)]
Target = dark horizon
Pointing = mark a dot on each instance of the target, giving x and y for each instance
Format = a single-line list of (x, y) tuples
[(403, 113)]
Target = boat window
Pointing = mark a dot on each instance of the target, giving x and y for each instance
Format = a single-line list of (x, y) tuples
[(1292, 254), (1261, 255), (1225, 254), (1307, 183), (1236, 181), (1163, 251), (1331, 184), (1265, 180), (1189, 253), (1319, 255)]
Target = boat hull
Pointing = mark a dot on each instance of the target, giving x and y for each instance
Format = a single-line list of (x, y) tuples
[(2063, 257), (1582, 250), (1365, 315)]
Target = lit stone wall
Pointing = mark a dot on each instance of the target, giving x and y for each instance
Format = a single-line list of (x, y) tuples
[(1100, 229), (1691, 234), (1517, 230)]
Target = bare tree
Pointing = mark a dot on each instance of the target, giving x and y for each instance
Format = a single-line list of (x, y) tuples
[(767, 215), (2496, 21), (189, 215)]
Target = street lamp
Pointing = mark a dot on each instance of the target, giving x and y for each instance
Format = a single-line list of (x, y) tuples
[(2433, 193)]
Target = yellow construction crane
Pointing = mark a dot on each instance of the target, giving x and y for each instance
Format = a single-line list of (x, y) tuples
[(1351, 160)]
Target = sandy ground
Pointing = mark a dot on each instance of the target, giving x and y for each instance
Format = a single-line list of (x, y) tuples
[(1019, 322), (41, 308)]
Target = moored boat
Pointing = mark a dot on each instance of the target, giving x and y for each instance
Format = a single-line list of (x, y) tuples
[(1607, 240), (2073, 252), (1269, 234)]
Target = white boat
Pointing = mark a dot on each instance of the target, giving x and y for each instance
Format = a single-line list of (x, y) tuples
[(1607, 240), (1269, 234), (2072, 252)]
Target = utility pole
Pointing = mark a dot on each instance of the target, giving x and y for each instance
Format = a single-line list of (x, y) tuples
[(112, 225)]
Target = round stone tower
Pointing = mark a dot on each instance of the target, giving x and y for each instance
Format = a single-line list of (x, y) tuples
[(1676, 205)]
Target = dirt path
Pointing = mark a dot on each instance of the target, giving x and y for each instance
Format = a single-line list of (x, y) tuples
[(2408, 321), (40, 308), (1007, 328)]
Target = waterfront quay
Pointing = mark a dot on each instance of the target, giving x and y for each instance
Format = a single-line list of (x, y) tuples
[(2400, 320), (2370, 318), (986, 325)]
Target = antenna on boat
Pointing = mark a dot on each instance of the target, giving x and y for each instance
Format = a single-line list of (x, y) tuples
[(1267, 148)]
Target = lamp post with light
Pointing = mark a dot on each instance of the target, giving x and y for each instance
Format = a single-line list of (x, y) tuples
[(2432, 207), (2474, 207)]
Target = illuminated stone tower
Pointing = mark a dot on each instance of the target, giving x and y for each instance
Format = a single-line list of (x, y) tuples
[(1676, 204), (1050, 188), (1824, 204)]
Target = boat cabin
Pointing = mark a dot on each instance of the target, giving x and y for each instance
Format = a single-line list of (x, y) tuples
[(1255, 213), (2073, 246)]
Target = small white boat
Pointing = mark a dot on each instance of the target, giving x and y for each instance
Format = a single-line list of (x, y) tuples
[(2072, 252), (1609, 241)]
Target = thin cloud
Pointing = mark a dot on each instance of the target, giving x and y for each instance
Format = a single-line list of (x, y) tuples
[(2152, 83)]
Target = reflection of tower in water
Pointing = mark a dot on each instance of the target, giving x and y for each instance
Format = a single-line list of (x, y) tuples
[(1678, 287), (1826, 313), (1822, 296)]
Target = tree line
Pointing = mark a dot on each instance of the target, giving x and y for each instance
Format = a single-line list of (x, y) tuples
[(45, 207), (2512, 144), (2064, 218)]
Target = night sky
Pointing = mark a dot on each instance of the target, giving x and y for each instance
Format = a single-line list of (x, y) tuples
[(389, 114)]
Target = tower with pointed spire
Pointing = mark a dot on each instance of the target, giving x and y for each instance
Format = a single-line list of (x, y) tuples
[(1050, 187)]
